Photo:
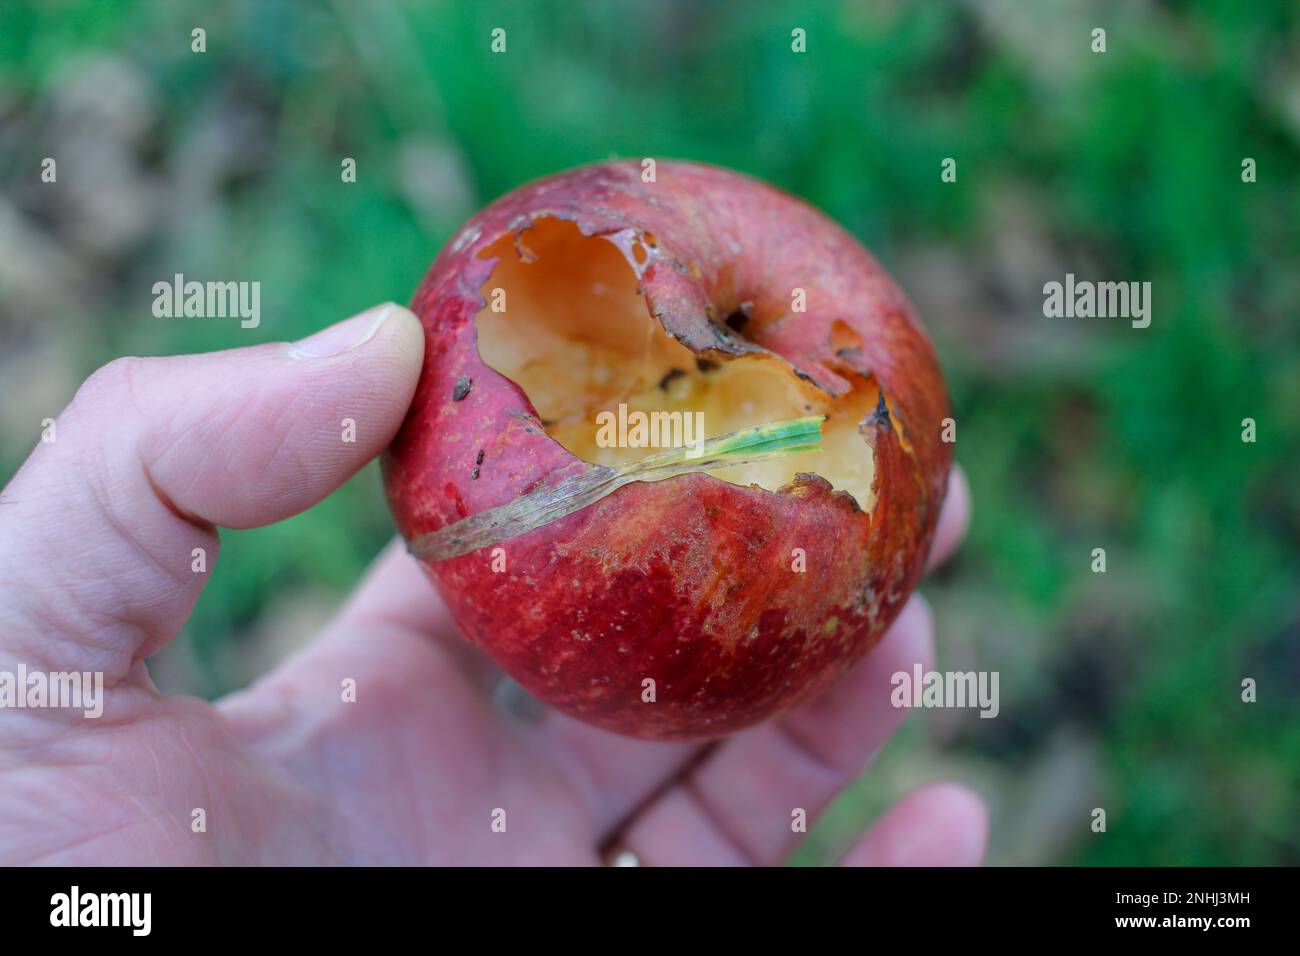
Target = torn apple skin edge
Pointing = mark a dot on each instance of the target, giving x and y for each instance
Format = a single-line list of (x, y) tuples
[(611, 283)]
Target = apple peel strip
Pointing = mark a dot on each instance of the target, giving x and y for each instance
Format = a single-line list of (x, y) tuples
[(552, 502)]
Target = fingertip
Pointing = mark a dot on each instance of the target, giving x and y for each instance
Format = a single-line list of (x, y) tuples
[(954, 519), (401, 336), (386, 341), (909, 640), (967, 818), (288, 423), (388, 324), (917, 614), (393, 356), (940, 824)]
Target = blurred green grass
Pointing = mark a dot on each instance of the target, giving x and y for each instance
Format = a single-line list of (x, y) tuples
[(1119, 690)]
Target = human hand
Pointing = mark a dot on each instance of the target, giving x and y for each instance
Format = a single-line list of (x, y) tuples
[(98, 532)]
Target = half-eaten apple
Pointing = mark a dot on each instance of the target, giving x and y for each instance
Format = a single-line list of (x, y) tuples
[(697, 604)]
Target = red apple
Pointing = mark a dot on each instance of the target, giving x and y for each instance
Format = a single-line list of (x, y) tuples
[(697, 605)]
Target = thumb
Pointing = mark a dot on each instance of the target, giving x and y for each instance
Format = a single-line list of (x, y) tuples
[(107, 532)]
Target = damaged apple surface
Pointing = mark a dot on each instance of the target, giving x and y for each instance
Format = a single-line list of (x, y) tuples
[(695, 605)]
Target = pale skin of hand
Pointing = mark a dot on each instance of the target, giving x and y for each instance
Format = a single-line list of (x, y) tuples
[(97, 532)]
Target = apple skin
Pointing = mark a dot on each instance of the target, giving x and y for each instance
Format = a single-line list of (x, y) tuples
[(686, 581)]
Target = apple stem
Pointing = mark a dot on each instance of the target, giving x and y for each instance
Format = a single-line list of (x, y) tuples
[(552, 502)]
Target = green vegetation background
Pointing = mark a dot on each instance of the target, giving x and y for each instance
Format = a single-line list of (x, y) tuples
[(1119, 690)]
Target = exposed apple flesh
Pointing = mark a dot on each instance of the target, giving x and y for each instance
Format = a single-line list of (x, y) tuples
[(577, 338), (693, 606)]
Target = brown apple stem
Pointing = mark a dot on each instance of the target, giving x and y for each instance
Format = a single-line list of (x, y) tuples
[(552, 502)]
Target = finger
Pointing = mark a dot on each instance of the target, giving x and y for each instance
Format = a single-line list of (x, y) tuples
[(739, 804), (108, 532), (941, 824), (954, 517)]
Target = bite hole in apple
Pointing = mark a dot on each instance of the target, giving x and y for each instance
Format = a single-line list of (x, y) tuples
[(844, 340), (579, 339)]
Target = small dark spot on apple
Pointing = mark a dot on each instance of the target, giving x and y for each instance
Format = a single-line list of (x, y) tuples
[(737, 320), (673, 373), (478, 459), (706, 365), (881, 414), (462, 387)]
